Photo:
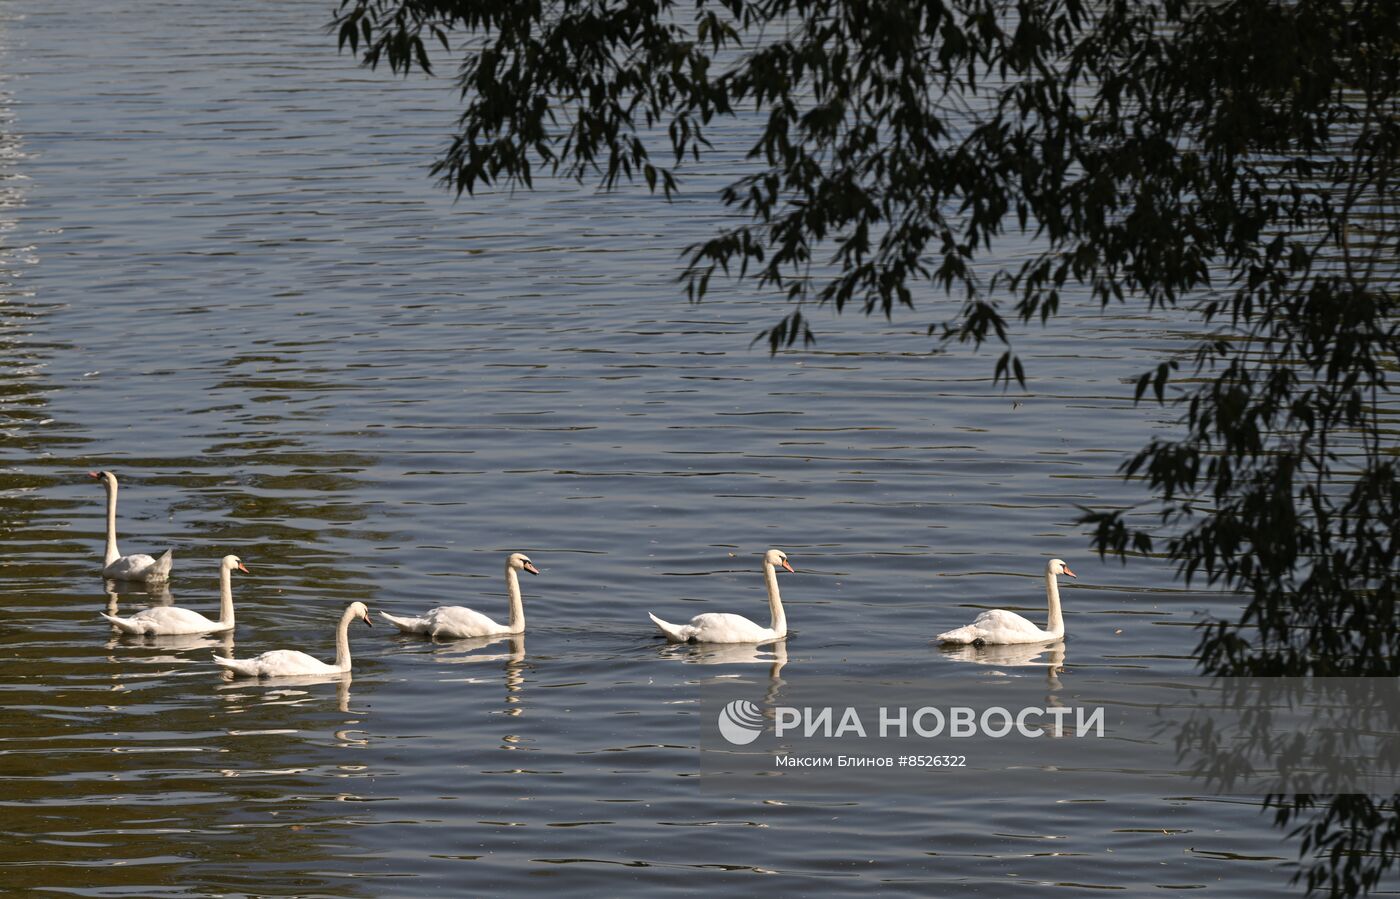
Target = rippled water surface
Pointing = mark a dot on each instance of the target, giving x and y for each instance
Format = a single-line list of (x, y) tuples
[(228, 279)]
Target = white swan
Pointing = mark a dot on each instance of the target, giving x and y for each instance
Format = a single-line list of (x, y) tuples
[(459, 622), (999, 626), (137, 566), (294, 662), (167, 620), (725, 627)]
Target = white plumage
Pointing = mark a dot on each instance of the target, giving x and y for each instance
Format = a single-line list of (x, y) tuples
[(998, 626), (292, 662), (137, 566), (726, 627), (460, 622)]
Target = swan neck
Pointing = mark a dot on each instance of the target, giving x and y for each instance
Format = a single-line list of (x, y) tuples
[(342, 641), (517, 606), (112, 553), (1056, 622), (775, 600), (226, 596)]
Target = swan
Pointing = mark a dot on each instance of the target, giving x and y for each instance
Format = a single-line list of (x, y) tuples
[(459, 622), (167, 620), (137, 566), (998, 626), (294, 662), (724, 627)]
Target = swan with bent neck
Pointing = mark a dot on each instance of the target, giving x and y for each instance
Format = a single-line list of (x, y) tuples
[(137, 566), (460, 622), (162, 621), (726, 627), (998, 626), (293, 662)]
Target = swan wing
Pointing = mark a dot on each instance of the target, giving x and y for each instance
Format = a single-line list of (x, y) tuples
[(243, 667), (448, 622), (675, 633), (726, 627), (405, 624), (456, 622), (277, 663), (140, 567), (162, 620), (997, 626), (161, 570), (125, 625), (129, 568), (1000, 619)]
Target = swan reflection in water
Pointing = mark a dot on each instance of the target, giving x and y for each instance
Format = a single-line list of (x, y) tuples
[(152, 595), (1010, 655), (285, 690), (467, 651), (774, 654), (1013, 655)]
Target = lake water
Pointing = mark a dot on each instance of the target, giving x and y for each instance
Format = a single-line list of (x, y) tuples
[(228, 279)]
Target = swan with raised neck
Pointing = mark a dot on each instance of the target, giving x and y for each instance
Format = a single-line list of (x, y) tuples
[(460, 622), (169, 620), (134, 567), (998, 626), (294, 662), (726, 627)]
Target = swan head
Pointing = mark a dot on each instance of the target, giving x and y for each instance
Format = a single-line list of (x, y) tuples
[(232, 562), (359, 610), (106, 477), (776, 558), (521, 562), (1058, 566)]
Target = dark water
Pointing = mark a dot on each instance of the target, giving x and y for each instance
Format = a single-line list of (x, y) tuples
[(227, 278)]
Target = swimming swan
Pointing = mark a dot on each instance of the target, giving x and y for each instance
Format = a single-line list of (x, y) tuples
[(1000, 626), (168, 620), (725, 627), (459, 622), (137, 566), (293, 662)]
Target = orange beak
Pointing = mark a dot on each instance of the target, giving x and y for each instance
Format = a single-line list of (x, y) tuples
[(787, 566), (242, 569), (94, 474), (530, 567), (1071, 573)]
